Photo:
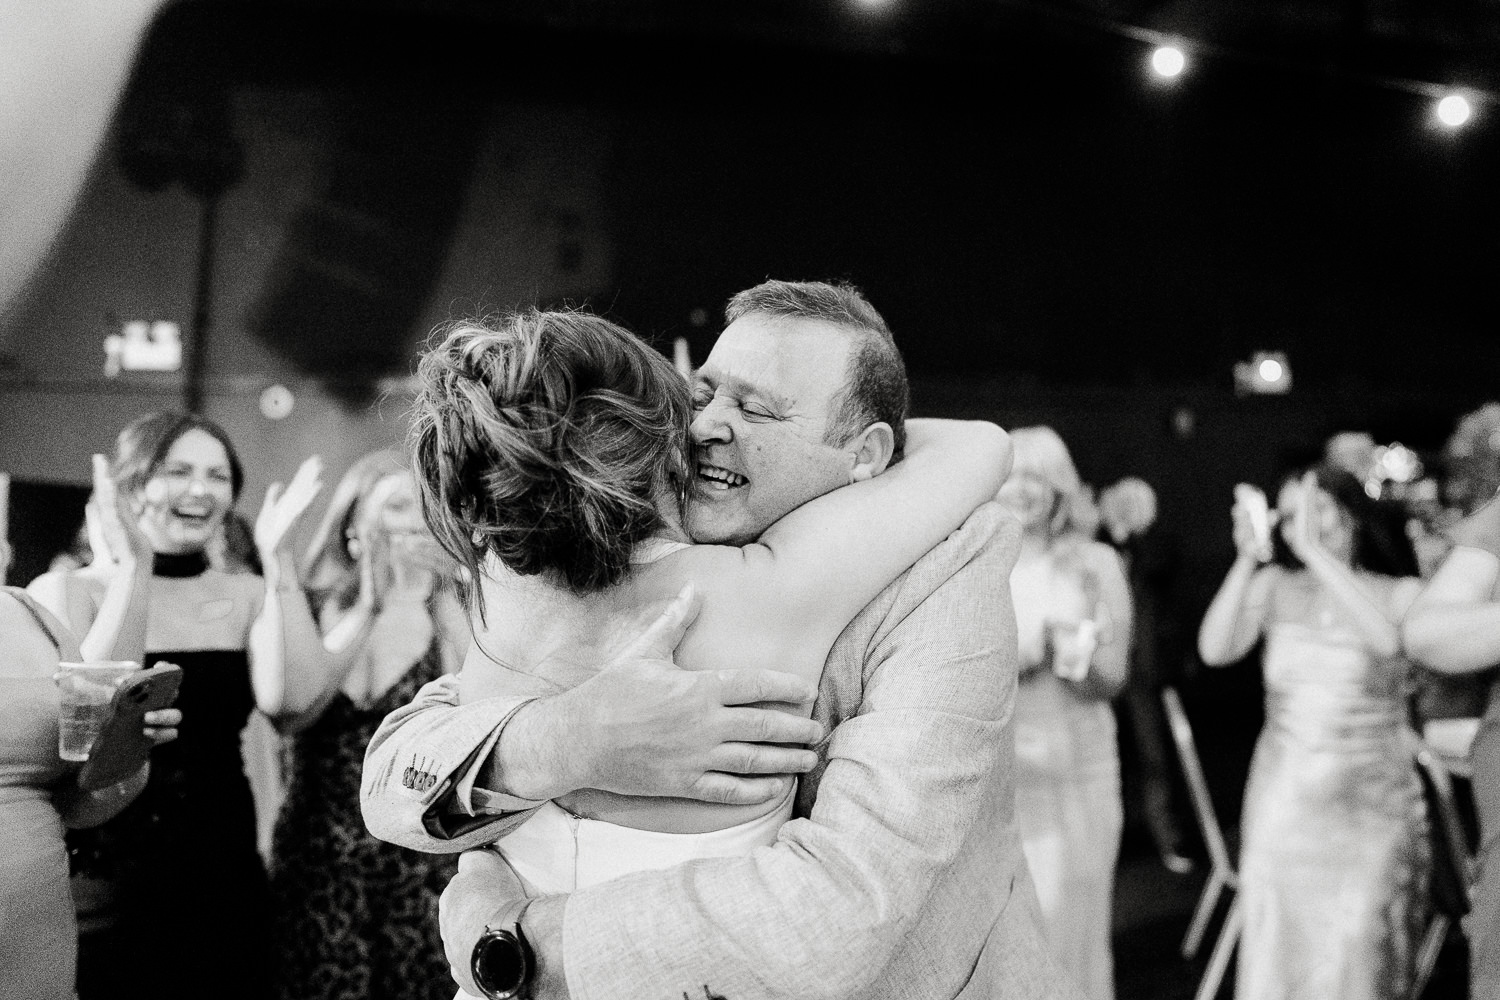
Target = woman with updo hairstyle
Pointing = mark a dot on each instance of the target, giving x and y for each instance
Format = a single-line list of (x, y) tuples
[(357, 918), (1073, 628), (180, 862), (1333, 850), (551, 450)]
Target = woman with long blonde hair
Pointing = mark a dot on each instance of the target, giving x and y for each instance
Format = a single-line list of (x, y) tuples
[(356, 917)]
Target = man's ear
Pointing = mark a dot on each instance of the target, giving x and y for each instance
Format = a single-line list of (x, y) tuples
[(871, 450)]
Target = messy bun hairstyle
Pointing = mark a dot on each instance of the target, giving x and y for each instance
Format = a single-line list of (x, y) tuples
[(545, 438)]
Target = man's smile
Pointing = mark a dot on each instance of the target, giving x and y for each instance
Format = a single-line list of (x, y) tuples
[(713, 477)]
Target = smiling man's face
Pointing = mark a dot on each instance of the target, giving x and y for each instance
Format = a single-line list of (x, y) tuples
[(762, 403)]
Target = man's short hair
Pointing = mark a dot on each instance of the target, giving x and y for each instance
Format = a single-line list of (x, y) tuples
[(875, 387)]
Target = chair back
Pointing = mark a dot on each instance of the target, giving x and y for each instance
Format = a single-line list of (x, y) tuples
[(1453, 859), (1192, 770)]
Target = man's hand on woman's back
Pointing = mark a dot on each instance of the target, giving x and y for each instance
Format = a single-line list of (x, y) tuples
[(644, 726)]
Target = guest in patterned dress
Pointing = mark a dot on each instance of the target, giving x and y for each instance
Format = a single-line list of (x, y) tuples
[(356, 917), (1334, 862)]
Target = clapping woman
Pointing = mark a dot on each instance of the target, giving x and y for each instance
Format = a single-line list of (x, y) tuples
[(1333, 861), (355, 917), (191, 897)]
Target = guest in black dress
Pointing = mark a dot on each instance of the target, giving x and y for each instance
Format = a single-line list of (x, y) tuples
[(357, 918), (186, 907)]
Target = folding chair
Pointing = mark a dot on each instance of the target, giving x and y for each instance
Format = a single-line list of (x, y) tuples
[(1453, 862), (1222, 876)]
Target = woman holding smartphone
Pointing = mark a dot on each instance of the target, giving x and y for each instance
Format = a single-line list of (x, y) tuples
[(39, 797), (182, 859), (1333, 859)]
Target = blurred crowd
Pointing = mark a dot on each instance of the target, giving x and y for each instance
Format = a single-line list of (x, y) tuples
[(1328, 590)]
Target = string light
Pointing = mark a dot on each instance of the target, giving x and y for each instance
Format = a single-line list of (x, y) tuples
[(1453, 110), (1168, 61)]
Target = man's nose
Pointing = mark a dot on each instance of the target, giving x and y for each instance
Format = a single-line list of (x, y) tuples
[(709, 425)]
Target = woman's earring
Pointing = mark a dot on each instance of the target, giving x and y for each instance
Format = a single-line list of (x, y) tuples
[(352, 546)]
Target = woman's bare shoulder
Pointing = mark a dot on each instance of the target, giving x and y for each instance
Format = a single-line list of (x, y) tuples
[(748, 572)]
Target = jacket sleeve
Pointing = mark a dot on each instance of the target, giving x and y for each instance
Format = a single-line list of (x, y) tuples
[(819, 913), (418, 788)]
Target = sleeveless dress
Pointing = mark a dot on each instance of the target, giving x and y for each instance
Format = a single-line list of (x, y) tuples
[(38, 935), (191, 910), (1334, 856), (355, 917), (1068, 804)]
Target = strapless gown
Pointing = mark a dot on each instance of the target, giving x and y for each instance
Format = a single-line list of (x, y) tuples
[(1334, 855)]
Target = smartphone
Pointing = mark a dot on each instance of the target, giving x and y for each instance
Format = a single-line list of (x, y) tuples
[(122, 747)]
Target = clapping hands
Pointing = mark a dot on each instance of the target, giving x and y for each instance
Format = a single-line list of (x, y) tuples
[(114, 532), (1253, 521), (283, 509), (1302, 535)]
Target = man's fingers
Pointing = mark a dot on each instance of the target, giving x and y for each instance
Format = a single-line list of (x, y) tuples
[(749, 687), (761, 725), (734, 790), (747, 759), (660, 640)]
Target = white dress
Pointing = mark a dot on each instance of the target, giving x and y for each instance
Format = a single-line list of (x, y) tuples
[(556, 851), (1067, 784)]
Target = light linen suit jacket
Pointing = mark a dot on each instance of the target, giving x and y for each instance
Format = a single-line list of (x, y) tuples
[(900, 874)]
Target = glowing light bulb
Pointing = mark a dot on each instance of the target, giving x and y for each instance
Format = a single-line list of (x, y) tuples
[(1168, 61), (276, 402), (1453, 110), (1270, 370)]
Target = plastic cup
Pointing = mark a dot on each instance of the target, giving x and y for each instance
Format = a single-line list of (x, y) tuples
[(87, 690), (1073, 645)]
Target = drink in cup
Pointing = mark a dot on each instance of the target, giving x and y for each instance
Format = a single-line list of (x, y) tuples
[(87, 689), (1073, 645)]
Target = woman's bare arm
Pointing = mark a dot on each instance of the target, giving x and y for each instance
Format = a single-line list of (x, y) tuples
[(1453, 627), (831, 556)]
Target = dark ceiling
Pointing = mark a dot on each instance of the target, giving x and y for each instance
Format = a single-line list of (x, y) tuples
[(1000, 175)]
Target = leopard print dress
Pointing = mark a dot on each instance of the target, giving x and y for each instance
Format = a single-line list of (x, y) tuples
[(355, 918)]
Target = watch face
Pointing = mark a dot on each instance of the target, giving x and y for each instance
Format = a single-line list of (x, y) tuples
[(502, 964)]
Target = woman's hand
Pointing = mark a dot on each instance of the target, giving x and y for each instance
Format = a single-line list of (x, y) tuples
[(283, 510), (161, 725), (1253, 523), (114, 531), (1302, 531)]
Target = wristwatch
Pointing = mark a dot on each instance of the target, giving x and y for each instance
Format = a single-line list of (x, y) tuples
[(503, 963)]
